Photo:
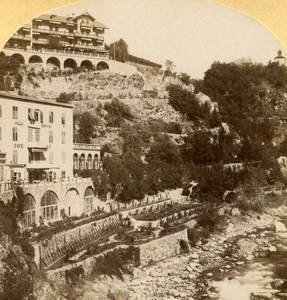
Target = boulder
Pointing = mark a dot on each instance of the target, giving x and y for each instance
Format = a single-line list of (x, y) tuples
[(279, 227), (272, 249), (235, 212)]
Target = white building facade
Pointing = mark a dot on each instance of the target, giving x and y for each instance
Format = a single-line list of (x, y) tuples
[(36, 139)]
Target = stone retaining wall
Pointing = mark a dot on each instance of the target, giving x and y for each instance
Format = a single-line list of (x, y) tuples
[(155, 250), (49, 251), (87, 264), (162, 248)]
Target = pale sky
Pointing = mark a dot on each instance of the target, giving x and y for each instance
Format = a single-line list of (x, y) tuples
[(191, 33)]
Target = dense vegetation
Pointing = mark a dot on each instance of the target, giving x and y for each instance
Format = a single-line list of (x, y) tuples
[(10, 78), (16, 253)]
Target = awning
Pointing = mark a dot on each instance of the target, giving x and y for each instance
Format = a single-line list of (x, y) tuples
[(38, 149)]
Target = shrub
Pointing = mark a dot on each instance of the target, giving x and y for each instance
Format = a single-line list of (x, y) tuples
[(115, 263), (28, 249), (208, 217), (66, 97), (73, 275), (184, 246)]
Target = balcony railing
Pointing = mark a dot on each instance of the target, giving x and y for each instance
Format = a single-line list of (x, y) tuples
[(103, 54), (40, 42), (83, 24), (86, 147), (21, 37), (88, 35), (53, 31), (85, 46), (34, 164)]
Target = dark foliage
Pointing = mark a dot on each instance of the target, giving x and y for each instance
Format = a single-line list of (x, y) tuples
[(143, 61), (118, 112), (186, 103), (66, 97)]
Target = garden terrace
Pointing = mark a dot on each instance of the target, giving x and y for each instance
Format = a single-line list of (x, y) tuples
[(46, 232), (154, 202), (165, 212), (54, 247)]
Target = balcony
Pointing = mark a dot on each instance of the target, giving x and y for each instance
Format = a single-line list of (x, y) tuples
[(83, 24), (39, 164), (21, 37), (26, 27), (42, 42), (98, 51), (48, 31), (87, 35), (91, 47)]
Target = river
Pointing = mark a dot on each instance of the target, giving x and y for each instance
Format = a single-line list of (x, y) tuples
[(258, 275)]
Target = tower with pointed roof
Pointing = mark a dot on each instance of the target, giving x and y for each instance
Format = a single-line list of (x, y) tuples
[(280, 58)]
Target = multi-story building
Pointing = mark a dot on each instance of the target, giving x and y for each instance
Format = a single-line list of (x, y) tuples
[(37, 153), (64, 42), (80, 34), (36, 139)]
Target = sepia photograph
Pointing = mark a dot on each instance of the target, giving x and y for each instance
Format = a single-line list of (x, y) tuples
[(143, 150)]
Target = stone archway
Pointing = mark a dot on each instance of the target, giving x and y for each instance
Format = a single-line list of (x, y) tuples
[(102, 65), (29, 213), (73, 203), (18, 58), (49, 206), (70, 63), (54, 61), (35, 59), (86, 64), (89, 199)]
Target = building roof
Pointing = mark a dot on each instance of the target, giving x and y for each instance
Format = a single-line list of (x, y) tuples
[(100, 25), (69, 19), (56, 18), (86, 14), (30, 99)]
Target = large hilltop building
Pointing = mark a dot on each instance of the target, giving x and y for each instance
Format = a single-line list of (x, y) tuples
[(64, 42), (81, 34)]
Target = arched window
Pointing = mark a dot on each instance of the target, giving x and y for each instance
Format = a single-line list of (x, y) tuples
[(29, 217), (89, 199), (49, 206), (82, 162), (89, 162), (96, 161), (76, 161)]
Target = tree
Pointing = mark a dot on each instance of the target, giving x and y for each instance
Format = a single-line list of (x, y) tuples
[(118, 112), (185, 102), (87, 125), (163, 150), (101, 183), (119, 50), (185, 78), (169, 67)]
